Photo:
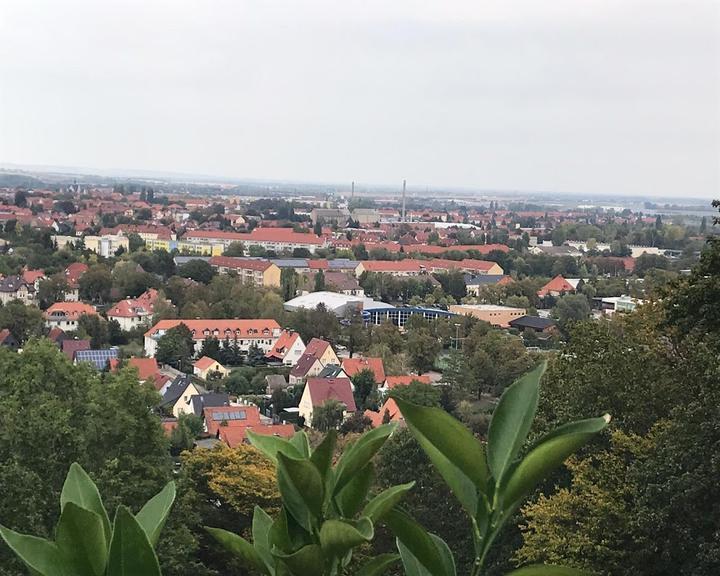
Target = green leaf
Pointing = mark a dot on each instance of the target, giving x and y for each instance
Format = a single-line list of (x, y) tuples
[(386, 501), (131, 553), (81, 539), (549, 453), (339, 536), (511, 421), (378, 565), (301, 443), (322, 455), (453, 450), (261, 525), (287, 535), (152, 516), (547, 570), (272, 445), (239, 547), (302, 489), (39, 555), (360, 453), (81, 490), (308, 560), (354, 495), (419, 547)]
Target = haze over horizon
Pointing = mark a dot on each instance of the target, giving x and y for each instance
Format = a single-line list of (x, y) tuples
[(584, 97)]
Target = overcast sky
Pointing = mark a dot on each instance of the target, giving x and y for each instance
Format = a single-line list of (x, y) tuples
[(606, 96)]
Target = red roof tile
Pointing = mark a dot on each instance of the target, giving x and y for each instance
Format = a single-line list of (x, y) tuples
[(352, 366), (324, 389)]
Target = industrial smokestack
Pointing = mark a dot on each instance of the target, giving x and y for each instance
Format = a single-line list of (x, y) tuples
[(403, 214), (352, 190)]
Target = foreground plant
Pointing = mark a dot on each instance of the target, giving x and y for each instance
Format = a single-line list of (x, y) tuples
[(325, 513), (490, 481), (86, 543)]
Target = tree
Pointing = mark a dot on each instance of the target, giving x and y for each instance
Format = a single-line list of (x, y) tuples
[(364, 384), (319, 281), (211, 349), (95, 284), (418, 393), (198, 270), (288, 283), (176, 348), (24, 322), (21, 199), (64, 409), (571, 308), (328, 416), (135, 242), (235, 249), (51, 290), (94, 327), (423, 349)]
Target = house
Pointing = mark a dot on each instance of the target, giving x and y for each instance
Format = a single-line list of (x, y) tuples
[(499, 316), (15, 288), (332, 371), (308, 366), (323, 351), (70, 346), (261, 273), (557, 287), (476, 282), (107, 245), (72, 277), (99, 359), (275, 239), (7, 340), (176, 398), (199, 402), (275, 382), (132, 313), (534, 323), (405, 380), (65, 315), (147, 368), (344, 283), (353, 366), (231, 423), (263, 333), (288, 348), (207, 368), (57, 335), (320, 390), (389, 412)]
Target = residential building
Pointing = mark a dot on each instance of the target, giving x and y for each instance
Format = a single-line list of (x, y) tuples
[(231, 423), (496, 315), (323, 351), (275, 239), (288, 349), (557, 287), (207, 368), (7, 340), (353, 366), (132, 313), (343, 282), (262, 333), (66, 315), (411, 267), (99, 359), (70, 346), (73, 273), (254, 271), (389, 412), (15, 288), (404, 380), (308, 366), (319, 390), (106, 246), (476, 282), (177, 396)]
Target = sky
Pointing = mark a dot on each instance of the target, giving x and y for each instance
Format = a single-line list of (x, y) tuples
[(586, 96)]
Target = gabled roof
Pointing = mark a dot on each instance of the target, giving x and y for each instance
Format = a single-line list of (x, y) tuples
[(69, 347), (283, 344), (354, 365), (175, 390), (331, 371), (557, 284), (11, 284), (205, 362), (146, 367), (405, 380), (316, 347), (323, 389), (72, 310), (201, 402), (303, 366), (261, 328), (390, 406)]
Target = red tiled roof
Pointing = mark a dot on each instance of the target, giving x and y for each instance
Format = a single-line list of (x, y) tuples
[(324, 389), (147, 367), (143, 305), (281, 235), (352, 366), (235, 436), (393, 381), (262, 328), (557, 284), (240, 263), (283, 344), (316, 347), (204, 363), (30, 276), (303, 365), (376, 418), (69, 347), (70, 309)]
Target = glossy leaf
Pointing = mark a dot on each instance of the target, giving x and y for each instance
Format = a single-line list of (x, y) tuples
[(81, 490), (272, 445), (261, 525), (511, 421), (442, 436), (81, 539), (131, 553), (378, 565), (308, 560), (386, 501), (152, 516), (301, 443), (238, 546), (360, 453), (547, 570), (337, 537), (322, 455), (353, 496), (302, 489), (39, 555), (549, 453), (418, 544)]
